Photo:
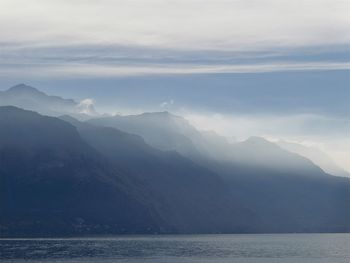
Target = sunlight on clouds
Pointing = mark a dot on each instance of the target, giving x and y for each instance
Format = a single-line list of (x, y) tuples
[(29, 28), (187, 24), (293, 128), (69, 70)]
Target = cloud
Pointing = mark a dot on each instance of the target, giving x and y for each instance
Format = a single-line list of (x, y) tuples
[(77, 70), (187, 24), (86, 102), (61, 61), (166, 104), (86, 106), (61, 38)]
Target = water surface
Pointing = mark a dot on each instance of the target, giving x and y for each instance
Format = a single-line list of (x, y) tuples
[(187, 248)]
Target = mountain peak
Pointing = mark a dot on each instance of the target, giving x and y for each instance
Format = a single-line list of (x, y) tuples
[(9, 108), (30, 98), (23, 88), (260, 141), (257, 139), (158, 113), (159, 116)]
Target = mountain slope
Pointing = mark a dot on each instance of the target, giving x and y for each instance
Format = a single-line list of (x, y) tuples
[(53, 183), (287, 202), (58, 181), (188, 197), (256, 152), (286, 191), (316, 156), (161, 130), (169, 132)]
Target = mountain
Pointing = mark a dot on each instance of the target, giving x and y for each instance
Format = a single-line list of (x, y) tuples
[(286, 191), (57, 179), (259, 152), (30, 98), (189, 197), (53, 183), (62, 176), (289, 202), (316, 156), (166, 131), (161, 130), (169, 132)]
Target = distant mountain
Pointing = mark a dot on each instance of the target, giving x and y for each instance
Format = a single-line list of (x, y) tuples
[(30, 98), (166, 131), (316, 156), (169, 132), (260, 153), (161, 130)]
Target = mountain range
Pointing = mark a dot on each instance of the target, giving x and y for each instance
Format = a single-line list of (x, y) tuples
[(315, 155), (150, 173)]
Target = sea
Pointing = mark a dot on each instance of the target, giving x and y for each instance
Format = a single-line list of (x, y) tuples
[(250, 248)]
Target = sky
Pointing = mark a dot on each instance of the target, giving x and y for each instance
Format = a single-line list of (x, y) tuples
[(273, 68)]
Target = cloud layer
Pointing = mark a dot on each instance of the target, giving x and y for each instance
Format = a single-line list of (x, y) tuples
[(61, 38), (238, 24)]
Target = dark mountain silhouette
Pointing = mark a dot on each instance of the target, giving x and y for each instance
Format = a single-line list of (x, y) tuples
[(154, 173), (53, 183), (190, 198), (56, 182)]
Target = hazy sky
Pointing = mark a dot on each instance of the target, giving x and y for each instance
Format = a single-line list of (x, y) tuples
[(69, 38), (276, 68)]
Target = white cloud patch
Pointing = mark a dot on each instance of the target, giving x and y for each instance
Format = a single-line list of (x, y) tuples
[(166, 104), (86, 106)]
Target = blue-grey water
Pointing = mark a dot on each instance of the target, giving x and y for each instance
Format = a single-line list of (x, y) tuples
[(330, 248)]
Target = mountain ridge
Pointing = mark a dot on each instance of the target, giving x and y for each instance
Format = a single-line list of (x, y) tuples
[(63, 175), (30, 98)]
